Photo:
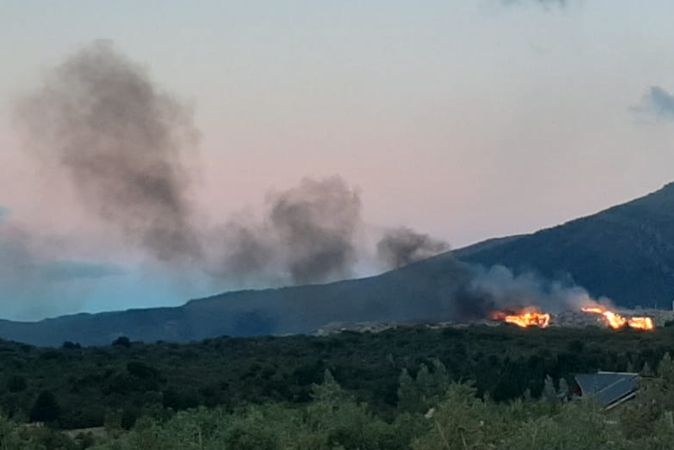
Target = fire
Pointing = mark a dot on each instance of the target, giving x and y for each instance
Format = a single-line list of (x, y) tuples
[(641, 323), (613, 320), (525, 319), (616, 321)]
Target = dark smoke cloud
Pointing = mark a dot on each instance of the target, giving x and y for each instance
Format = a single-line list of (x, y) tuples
[(307, 232), (317, 222), (498, 288), (248, 253), (403, 246), (119, 139)]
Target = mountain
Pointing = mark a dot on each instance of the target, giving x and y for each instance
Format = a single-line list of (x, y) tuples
[(416, 293), (625, 252)]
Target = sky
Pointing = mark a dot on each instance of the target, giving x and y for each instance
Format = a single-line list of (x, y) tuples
[(462, 119)]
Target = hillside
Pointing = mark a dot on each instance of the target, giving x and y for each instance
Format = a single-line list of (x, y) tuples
[(625, 252), (416, 293)]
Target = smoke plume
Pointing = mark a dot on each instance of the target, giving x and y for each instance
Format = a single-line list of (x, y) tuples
[(498, 288), (307, 232), (402, 246), (247, 251), (317, 222), (119, 139)]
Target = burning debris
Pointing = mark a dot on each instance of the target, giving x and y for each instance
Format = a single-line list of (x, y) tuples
[(617, 322), (527, 318)]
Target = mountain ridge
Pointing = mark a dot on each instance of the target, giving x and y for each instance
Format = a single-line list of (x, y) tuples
[(624, 252)]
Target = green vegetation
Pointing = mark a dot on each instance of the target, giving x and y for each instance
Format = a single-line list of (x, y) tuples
[(333, 419), (420, 388)]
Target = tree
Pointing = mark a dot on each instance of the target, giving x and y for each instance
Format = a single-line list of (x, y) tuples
[(122, 341), (45, 409), (68, 345), (549, 391), (409, 398), (563, 391), (666, 370), (16, 383), (646, 370)]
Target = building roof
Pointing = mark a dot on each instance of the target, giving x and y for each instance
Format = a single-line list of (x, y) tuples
[(609, 389)]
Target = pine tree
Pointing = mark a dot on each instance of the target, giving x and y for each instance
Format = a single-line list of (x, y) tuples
[(549, 391), (409, 397), (646, 370), (424, 381), (563, 391), (666, 370)]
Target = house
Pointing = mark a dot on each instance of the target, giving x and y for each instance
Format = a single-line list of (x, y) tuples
[(608, 389)]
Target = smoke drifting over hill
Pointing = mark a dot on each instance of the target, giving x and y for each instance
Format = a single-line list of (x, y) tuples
[(403, 246), (123, 142), (498, 288), (317, 223), (307, 232)]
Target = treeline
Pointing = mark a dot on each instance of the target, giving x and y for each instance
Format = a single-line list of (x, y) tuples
[(433, 413), (74, 387)]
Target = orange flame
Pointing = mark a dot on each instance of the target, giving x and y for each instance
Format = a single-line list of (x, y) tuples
[(641, 323), (525, 319), (616, 321)]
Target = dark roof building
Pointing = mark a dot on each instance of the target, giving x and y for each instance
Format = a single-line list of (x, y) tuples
[(609, 389)]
